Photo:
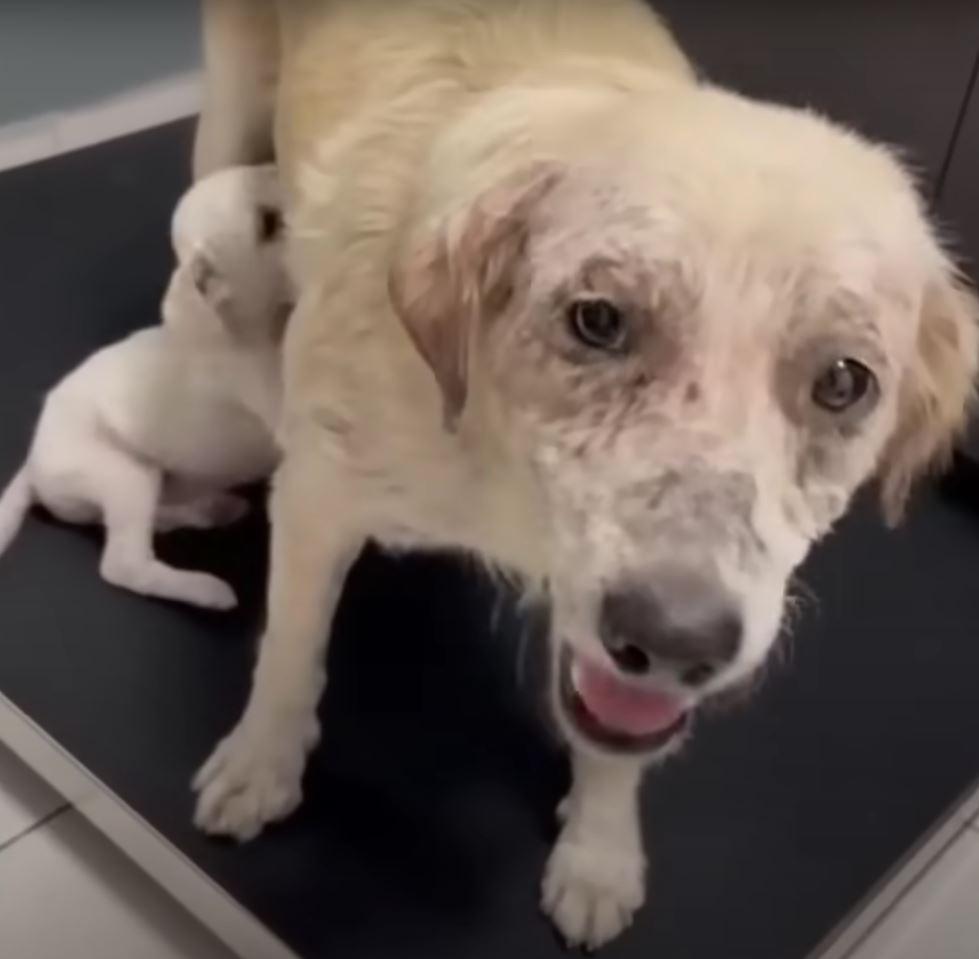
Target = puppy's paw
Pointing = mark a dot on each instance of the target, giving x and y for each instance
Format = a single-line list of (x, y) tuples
[(206, 591), (226, 509), (205, 512), (157, 579), (591, 890), (253, 777)]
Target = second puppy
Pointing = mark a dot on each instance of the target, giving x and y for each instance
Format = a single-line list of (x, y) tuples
[(149, 434)]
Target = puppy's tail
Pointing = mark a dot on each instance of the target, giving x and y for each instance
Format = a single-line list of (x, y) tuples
[(14, 504)]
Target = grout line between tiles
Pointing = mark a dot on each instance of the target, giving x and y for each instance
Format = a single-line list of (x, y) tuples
[(181, 877), (43, 821)]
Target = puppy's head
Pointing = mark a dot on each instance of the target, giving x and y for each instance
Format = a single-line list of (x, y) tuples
[(705, 334), (229, 237)]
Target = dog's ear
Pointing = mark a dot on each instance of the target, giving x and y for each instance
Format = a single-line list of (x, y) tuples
[(936, 392), (449, 276), (212, 287)]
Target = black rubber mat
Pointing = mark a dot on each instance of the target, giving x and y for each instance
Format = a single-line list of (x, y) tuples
[(428, 811)]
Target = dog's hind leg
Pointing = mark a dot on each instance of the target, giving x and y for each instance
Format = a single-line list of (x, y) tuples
[(241, 55), (129, 491)]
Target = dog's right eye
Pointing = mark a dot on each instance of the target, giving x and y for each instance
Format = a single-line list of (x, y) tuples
[(598, 324), (844, 384)]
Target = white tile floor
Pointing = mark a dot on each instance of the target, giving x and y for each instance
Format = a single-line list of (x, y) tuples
[(67, 891), (939, 916)]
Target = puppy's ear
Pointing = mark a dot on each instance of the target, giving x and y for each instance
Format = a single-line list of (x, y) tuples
[(936, 392), (210, 285), (448, 277)]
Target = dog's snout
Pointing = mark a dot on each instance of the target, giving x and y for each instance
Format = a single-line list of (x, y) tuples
[(686, 624)]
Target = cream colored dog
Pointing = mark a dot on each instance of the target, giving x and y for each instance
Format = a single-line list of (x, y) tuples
[(150, 433), (629, 336)]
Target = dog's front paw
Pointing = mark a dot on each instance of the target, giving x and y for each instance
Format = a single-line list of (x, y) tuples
[(254, 777), (591, 891)]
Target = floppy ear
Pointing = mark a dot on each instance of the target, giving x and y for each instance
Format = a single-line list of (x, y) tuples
[(212, 287), (937, 390), (195, 284), (446, 278)]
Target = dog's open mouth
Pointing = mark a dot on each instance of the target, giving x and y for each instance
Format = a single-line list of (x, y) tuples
[(615, 714)]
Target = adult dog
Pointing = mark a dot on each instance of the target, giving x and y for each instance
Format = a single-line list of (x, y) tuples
[(632, 337)]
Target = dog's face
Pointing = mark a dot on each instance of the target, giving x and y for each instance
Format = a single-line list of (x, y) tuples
[(703, 348), (229, 233)]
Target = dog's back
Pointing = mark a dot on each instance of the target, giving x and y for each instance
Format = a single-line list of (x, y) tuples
[(412, 62)]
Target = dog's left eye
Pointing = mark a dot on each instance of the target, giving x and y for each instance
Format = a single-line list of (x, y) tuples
[(598, 324), (843, 384)]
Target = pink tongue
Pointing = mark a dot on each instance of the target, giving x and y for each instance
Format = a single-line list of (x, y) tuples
[(621, 707)]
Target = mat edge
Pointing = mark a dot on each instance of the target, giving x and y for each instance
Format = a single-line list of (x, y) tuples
[(204, 899)]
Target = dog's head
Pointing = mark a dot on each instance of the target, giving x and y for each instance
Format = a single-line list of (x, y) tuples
[(228, 234), (705, 333)]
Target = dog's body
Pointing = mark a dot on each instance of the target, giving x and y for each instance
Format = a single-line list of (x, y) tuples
[(631, 337), (150, 433)]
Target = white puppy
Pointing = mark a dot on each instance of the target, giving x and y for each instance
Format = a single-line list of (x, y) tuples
[(148, 434)]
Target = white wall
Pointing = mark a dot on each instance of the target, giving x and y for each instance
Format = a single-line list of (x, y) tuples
[(59, 54)]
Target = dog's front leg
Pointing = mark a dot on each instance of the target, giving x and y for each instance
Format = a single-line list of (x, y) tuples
[(255, 775), (595, 878)]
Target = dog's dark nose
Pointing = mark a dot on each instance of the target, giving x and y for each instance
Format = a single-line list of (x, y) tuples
[(683, 623)]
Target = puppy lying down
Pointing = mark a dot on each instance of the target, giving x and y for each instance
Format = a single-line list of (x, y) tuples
[(147, 435)]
